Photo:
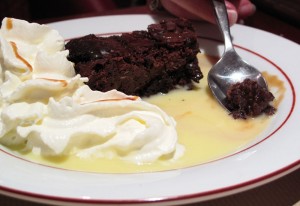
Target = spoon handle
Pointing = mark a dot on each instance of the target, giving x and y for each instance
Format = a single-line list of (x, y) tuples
[(222, 20)]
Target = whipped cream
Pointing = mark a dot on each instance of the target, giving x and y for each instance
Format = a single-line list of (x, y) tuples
[(45, 107)]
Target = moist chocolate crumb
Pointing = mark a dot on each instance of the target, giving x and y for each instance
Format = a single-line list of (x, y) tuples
[(248, 99), (140, 63)]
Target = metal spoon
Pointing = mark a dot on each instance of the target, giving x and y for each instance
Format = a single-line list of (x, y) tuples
[(230, 69)]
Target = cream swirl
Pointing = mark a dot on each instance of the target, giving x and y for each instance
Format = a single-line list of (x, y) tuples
[(47, 108)]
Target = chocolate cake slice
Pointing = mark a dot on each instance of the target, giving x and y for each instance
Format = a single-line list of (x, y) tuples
[(142, 62)]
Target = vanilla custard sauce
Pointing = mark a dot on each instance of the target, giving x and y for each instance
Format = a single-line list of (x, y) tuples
[(204, 128)]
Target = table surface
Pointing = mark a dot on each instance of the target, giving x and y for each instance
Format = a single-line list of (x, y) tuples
[(284, 191)]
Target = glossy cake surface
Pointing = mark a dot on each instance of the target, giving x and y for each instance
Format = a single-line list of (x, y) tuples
[(142, 62)]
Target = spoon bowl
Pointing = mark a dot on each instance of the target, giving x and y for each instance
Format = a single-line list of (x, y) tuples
[(231, 68)]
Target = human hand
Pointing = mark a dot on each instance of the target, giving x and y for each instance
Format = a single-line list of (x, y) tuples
[(202, 9)]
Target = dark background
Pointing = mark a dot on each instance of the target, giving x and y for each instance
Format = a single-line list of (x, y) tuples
[(281, 17), (33, 10)]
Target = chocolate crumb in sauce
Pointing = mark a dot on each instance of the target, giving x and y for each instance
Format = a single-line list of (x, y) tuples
[(248, 99)]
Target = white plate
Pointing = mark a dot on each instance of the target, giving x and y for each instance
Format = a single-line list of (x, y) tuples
[(274, 154)]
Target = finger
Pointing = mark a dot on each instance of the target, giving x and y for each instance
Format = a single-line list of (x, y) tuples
[(244, 8), (198, 10), (191, 9), (232, 12)]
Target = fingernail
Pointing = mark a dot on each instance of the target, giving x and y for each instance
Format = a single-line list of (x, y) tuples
[(232, 16), (247, 9)]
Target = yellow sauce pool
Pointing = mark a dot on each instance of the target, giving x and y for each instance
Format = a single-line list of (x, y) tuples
[(204, 128)]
